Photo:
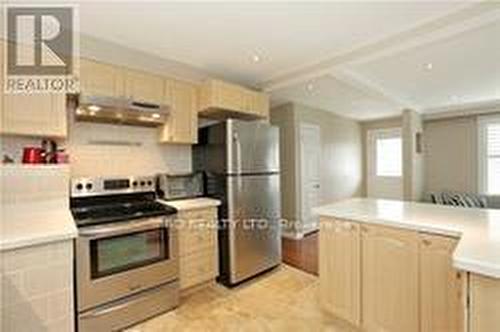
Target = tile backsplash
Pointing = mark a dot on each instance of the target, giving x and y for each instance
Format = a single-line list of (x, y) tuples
[(112, 150), (108, 150)]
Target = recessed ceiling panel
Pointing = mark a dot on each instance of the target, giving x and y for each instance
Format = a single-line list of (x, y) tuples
[(462, 69), (330, 94)]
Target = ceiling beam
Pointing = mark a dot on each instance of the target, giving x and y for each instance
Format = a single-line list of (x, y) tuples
[(467, 18), (369, 87)]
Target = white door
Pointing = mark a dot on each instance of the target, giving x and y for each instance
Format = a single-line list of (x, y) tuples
[(385, 163), (310, 151)]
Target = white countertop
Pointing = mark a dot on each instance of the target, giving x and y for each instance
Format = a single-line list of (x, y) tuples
[(34, 205), (478, 250), (192, 204), (29, 228)]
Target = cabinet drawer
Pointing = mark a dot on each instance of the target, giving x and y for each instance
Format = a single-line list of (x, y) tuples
[(198, 268)]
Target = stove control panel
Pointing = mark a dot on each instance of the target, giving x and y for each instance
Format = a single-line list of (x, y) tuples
[(83, 187)]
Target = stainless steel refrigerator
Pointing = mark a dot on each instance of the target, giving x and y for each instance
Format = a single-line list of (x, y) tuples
[(240, 160)]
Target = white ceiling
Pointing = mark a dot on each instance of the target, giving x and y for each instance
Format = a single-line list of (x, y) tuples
[(465, 73), (222, 37), (365, 59), (465, 69)]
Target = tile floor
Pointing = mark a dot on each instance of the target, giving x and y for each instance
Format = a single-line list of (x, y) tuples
[(283, 300)]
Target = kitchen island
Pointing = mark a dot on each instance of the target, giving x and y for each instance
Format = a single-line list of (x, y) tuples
[(404, 266)]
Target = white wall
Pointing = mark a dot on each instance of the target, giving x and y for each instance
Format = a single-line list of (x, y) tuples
[(451, 154), (341, 156)]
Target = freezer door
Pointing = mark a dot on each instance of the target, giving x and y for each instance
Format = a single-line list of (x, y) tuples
[(254, 225), (252, 147)]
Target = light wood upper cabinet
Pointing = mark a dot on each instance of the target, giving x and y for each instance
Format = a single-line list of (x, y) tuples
[(340, 269), (35, 115), (39, 114), (101, 79), (390, 279), (261, 104), (144, 87), (441, 286), (182, 122), (217, 97)]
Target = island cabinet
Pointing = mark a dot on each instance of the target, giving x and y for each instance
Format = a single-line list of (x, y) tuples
[(484, 310), (441, 286), (198, 255), (339, 269), (381, 278), (390, 286)]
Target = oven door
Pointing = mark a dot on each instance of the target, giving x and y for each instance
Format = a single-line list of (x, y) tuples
[(118, 259)]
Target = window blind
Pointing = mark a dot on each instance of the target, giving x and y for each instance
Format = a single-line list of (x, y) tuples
[(493, 158)]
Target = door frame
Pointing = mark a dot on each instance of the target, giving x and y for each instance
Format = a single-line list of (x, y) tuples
[(306, 126)]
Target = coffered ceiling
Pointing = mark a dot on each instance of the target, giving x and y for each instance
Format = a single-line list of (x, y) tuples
[(447, 64)]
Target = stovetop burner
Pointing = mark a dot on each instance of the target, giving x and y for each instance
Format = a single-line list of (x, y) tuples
[(113, 208)]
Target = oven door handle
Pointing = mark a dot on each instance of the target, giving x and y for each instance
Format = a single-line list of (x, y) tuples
[(122, 228)]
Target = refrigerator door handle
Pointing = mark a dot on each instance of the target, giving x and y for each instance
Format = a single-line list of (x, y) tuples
[(236, 140)]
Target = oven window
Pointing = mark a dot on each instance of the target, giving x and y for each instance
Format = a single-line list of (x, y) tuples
[(121, 253)]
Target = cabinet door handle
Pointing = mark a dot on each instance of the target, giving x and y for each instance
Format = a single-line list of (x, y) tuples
[(364, 229), (426, 242)]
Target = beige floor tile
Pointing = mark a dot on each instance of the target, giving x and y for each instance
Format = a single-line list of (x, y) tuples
[(285, 300)]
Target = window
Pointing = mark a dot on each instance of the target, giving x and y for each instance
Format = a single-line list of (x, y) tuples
[(389, 156), (489, 155)]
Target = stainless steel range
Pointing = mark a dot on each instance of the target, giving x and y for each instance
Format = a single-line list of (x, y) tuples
[(126, 252)]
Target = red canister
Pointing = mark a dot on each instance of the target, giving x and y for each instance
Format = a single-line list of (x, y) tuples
[(32, 155)]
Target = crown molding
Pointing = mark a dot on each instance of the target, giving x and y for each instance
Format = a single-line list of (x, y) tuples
[(462, 110)]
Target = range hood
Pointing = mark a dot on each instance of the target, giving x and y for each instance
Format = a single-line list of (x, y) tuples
[(116, 110)]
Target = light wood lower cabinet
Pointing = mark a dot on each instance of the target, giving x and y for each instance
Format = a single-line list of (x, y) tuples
[(390, 279), (340, 269), (198, 255), (441, 286), (484, 308)]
